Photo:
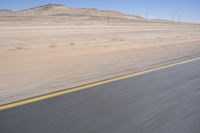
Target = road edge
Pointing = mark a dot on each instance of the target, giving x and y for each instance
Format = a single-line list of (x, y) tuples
[(83, 87)]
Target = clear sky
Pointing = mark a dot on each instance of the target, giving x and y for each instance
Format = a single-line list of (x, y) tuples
[(189, 9)]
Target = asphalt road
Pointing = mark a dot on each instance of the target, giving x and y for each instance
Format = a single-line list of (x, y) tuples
[(165, 101)]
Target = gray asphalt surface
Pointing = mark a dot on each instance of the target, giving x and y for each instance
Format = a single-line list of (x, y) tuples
[(165, 101)]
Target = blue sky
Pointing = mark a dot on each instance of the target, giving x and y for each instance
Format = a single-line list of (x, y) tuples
[(189, 9)]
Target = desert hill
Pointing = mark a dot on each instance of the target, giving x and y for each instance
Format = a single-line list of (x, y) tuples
[(57, 13), (60, 14), (61, 10)]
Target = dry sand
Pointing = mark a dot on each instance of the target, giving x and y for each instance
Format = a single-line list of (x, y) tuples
[(37, 58)]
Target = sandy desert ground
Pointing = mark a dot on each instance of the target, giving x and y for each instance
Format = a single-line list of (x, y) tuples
[(39, 55)]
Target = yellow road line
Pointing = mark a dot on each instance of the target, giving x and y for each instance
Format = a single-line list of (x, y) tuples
[(36, 99)]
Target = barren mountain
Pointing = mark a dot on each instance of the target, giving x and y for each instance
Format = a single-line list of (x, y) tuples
[(60, 14), (57, 13), (61, 10)]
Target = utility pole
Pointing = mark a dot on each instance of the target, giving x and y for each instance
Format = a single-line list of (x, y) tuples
[(147, 15), (108, 17), (173, 18), (179, 20)]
